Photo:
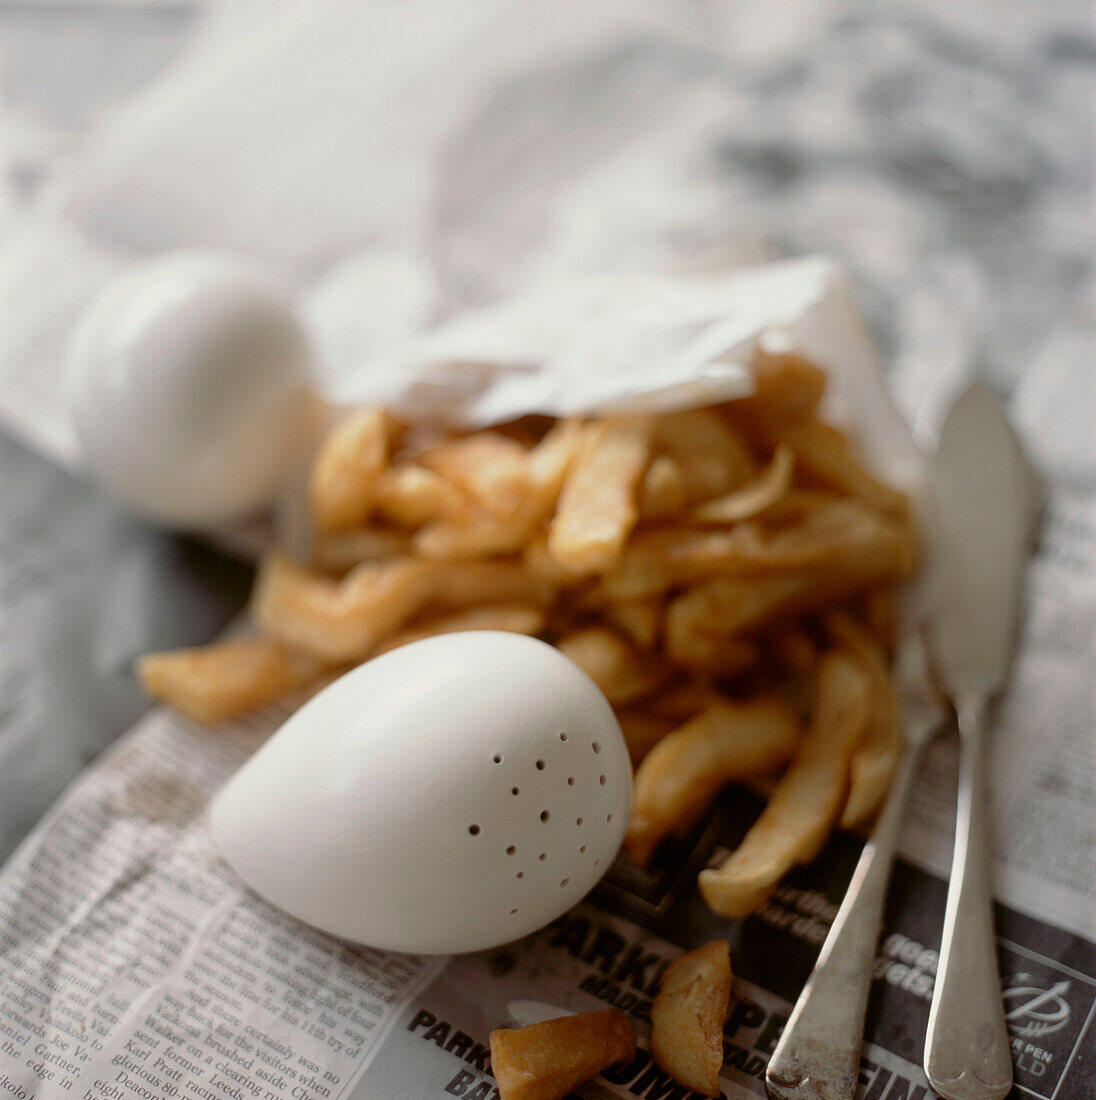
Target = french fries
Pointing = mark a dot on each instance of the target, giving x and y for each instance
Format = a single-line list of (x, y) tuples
[(712, 457), (685, 770), (512, 618), (597, 506), (346, 469), (876, 756), (343, 620), (546, 1061), (622, 673), (687, 1017), (807, 800), (752, 499), (218, 681), (704, 567), (410, 495)]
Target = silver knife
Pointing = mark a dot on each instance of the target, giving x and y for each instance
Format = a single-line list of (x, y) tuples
[(986, 499)]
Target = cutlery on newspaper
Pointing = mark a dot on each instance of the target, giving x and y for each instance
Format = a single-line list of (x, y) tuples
[(986, 502), (818, 1055), (819, 1051)]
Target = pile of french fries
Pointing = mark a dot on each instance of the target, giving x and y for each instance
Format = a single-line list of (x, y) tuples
[(725, 575)]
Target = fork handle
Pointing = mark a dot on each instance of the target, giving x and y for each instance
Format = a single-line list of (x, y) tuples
[(818, 1055), (966, 1046)]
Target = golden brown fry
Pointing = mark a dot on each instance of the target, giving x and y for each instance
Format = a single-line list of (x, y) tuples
[(639, 619), (546, 1061), (787, 388), (336, 553), (712, 456), (826, 454), (642, 731), (837, 533), (880, 614), (339, 620), (622, 673), (513, 618), (692, 645), (597, 507), (807, 800), (489, 467), (663, 491), (465, 584), (410, 495), (538, 562), (344, 477), (688, 1014), (684, 700), (732, 604), (474, 532), (222, 680), (686, 769), (793, 649), (876, 756), (756, 496)]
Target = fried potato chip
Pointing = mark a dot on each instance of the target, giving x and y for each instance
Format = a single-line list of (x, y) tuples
[(219, 681), (688, 1014), (712, 456), (622, 672), (546, 1061), (663, 491), (876, 756), (344, 475), (597, 506), (642, 731), (341, 551), (409, 496), (488, 467), (512, 618), (827, 455), (806, 801), (756, 496), (682, 773), (339, 620)]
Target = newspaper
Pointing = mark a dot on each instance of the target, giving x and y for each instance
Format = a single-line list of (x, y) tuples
[(133, 963)]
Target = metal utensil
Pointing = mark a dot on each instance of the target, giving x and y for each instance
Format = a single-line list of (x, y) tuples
[(819, 1051), (818, 1055), (986, 500)]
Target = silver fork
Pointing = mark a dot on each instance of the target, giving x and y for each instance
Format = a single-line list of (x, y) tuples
[(818, 1055)]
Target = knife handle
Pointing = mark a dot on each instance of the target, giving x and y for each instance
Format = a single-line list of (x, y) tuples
[(966, 1046), (818, 1055)]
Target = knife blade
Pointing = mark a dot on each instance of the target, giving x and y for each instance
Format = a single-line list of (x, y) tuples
[(986, 501)]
